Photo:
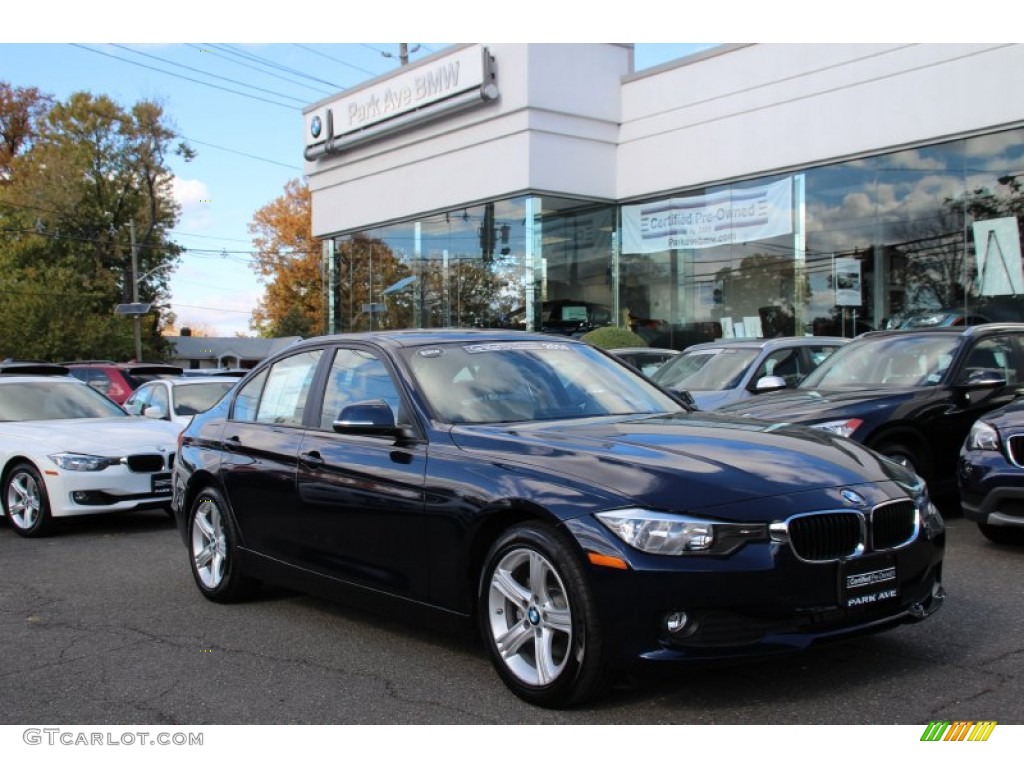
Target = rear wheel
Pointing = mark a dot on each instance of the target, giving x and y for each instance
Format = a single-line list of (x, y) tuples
[(213, 546), (26, 503), (539, 620)]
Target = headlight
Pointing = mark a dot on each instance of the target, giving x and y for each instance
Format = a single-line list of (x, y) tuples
[(982, 437), (931, 518), (844, 427), (661, 533), (81, 462)]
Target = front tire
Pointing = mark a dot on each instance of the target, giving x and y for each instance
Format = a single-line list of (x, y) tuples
[(213, 550), (539, 619), (26, 502)]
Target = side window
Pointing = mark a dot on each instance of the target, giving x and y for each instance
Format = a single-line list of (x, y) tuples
[(283, 400), (249, 398), (159, 399), (357, 375), (136, 404), (991, 354), (782, 362)]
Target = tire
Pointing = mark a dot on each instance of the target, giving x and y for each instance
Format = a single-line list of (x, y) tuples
[(539, 620), (906, 457), (999, 534), (213, 550), (26, 502)]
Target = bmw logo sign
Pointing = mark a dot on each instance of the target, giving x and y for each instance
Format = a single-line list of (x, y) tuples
[(853, 497), (315, 127)]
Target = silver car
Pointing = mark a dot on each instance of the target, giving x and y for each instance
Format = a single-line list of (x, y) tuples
[(722, 372)]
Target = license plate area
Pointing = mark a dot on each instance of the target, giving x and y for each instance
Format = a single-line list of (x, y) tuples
[(868, 581), (160, 484)]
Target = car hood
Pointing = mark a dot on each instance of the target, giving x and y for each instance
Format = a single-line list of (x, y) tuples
[(101, 437), (693, 461), (713, 399), (813, 405)]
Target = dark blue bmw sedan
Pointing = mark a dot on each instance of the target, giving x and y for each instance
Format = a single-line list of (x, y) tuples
[(585, 519)]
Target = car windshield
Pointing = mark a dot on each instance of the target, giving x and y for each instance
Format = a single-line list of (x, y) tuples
[(701, 370), (517, 381), (190, 399), (912, 360), (37, 401)]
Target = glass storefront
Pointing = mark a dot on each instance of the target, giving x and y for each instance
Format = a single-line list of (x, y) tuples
[(922, 236)]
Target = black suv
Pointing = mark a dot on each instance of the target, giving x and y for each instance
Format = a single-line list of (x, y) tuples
[(911, 395)]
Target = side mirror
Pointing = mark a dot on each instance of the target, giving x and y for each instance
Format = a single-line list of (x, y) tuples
[(154, 412), (770, 384), (369, 417), (984, 379)]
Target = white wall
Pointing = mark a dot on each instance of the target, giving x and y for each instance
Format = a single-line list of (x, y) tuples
[(554, 128), (751, 110)]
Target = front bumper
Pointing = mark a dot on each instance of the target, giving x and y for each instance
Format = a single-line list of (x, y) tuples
[(761, 600), (991, 489), (114, 489)]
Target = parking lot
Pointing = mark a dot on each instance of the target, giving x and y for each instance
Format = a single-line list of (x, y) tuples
[(102, 624)]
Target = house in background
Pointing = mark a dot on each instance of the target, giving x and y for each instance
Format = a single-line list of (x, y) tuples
[(199, 352)]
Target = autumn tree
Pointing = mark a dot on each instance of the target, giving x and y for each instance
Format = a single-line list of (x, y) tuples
[(288, 262), (91, 169), (21, 109)]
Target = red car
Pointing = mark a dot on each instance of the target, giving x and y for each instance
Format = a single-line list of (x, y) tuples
[(118, 380)]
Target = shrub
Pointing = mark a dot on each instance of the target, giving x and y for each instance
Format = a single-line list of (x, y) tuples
[(611, 337)]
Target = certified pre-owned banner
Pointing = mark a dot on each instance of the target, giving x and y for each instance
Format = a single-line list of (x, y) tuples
[(704, 221)]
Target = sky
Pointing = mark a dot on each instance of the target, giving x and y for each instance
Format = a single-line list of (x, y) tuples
[(234, 84)]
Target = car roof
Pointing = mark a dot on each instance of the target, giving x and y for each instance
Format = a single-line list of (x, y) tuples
[(426, 336), (642, 350), (775, 341), (970, 330)]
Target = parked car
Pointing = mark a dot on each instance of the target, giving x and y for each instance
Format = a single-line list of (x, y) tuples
[(236, 373), (731, 370), (991, 474), (118, 380), (911, 395), (177, 399), (942, 318), (583, 517), (645, 359), (565, 317), (67, 450)]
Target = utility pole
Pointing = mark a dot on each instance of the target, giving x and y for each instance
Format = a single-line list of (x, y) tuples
[(403, 53), (136, 319)]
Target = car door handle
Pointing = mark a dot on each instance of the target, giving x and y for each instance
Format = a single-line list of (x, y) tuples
[(312, 459), (232, 443)]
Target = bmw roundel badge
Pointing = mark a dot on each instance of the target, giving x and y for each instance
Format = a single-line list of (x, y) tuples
[(853, 497), (315, 127)]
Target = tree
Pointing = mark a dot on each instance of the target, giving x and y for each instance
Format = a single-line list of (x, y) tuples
[(90, 170), (21, 109), (288, 262)]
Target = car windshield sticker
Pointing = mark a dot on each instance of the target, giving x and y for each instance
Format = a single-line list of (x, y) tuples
[(475, 349)]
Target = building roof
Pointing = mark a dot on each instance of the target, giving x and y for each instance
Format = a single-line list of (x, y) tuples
[(217, 347)]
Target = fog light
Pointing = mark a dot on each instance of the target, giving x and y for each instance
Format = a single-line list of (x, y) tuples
[(677, 621)]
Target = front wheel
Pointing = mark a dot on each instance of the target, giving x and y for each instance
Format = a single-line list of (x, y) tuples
[(539, 620), (213, 546), (26, 503)]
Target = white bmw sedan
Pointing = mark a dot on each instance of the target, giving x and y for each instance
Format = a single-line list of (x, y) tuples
[(67, 450)]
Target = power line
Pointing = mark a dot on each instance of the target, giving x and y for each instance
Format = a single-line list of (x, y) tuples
[(208, 74), (243, 154), (230, 49), (339, 61), (183, 77), (253, 67)]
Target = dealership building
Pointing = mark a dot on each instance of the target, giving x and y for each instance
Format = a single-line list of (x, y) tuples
[(747, 190)]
